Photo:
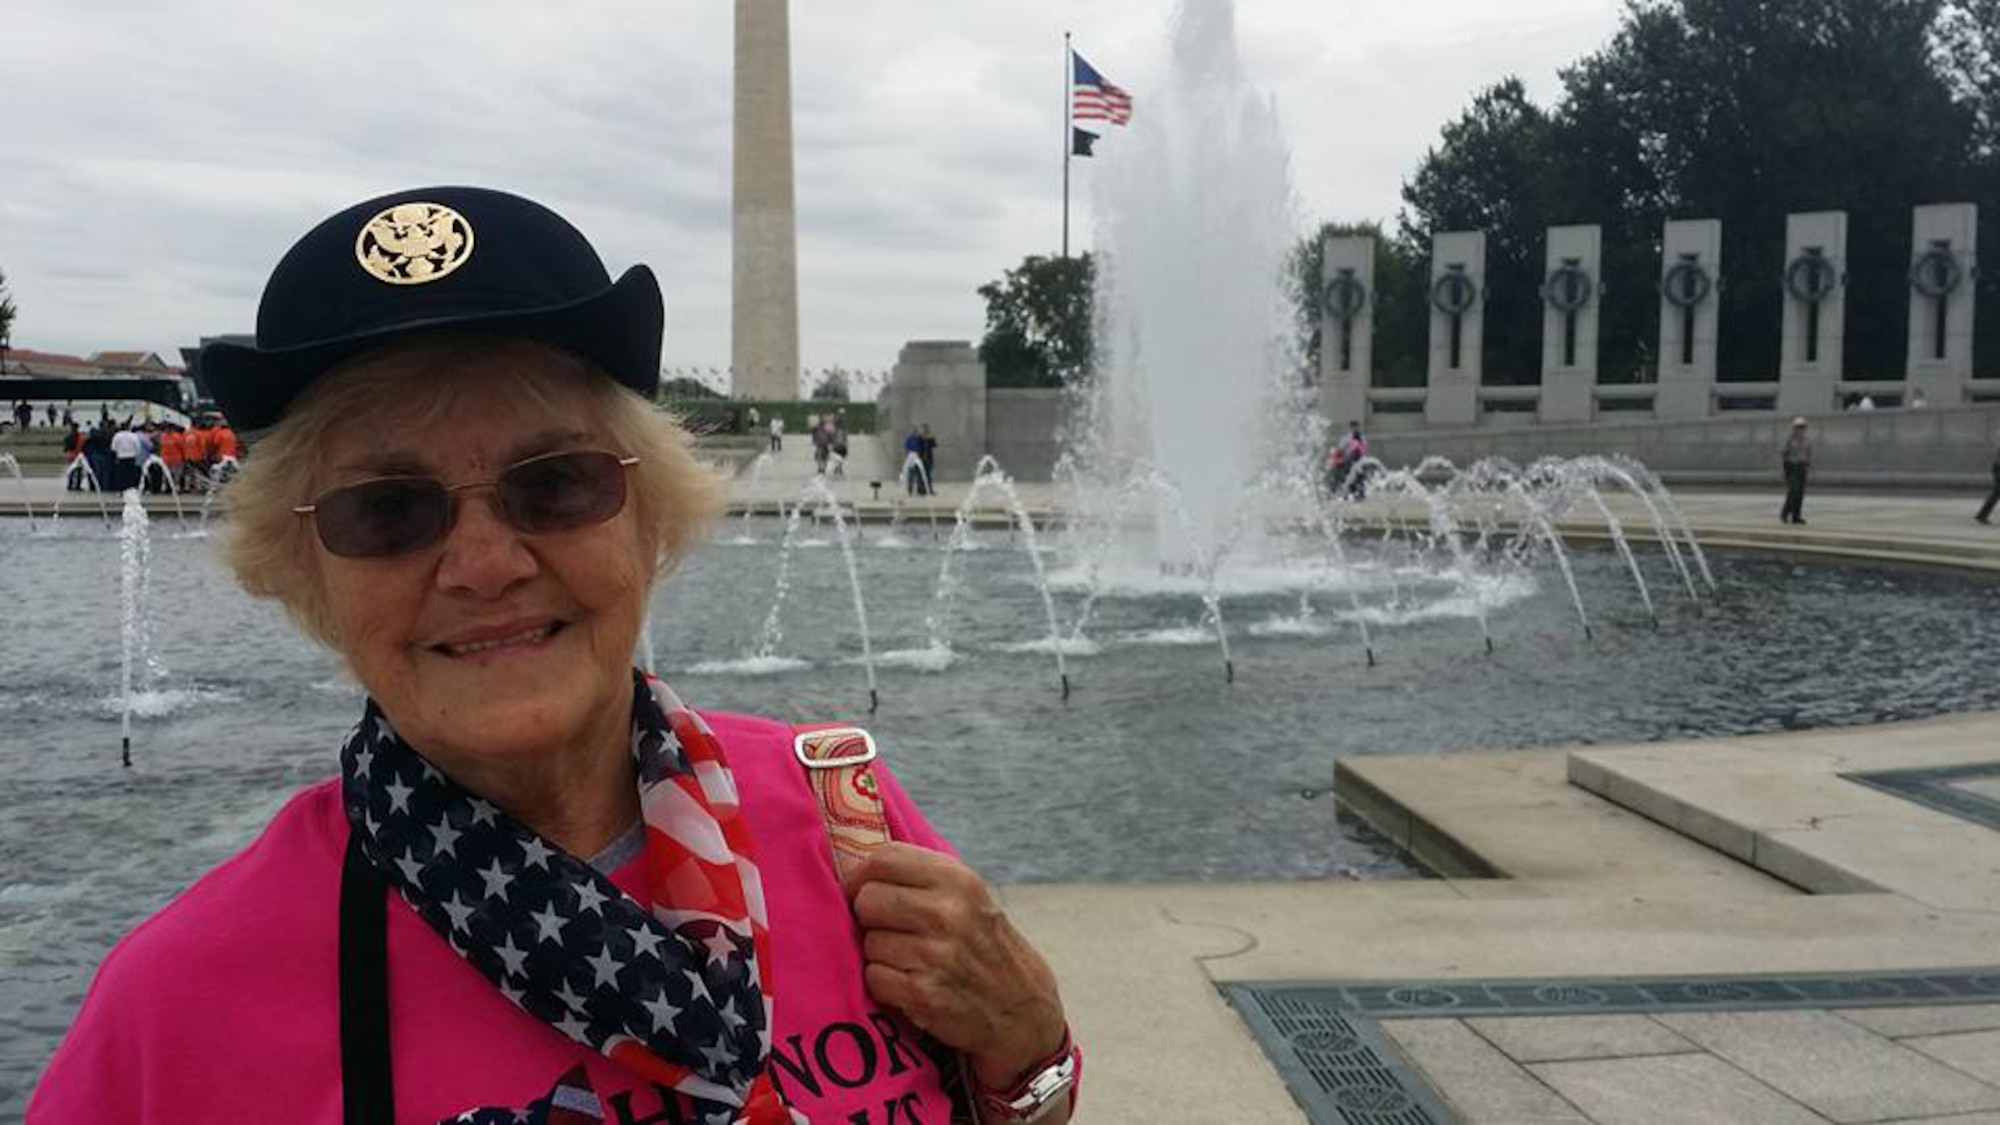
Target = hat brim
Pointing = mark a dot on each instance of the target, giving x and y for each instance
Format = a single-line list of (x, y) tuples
[(618, 329)]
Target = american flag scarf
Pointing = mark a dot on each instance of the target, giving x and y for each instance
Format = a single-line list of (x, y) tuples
[(676, 988)]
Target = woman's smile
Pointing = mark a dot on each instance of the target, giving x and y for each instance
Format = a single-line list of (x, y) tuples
[(492, 644)]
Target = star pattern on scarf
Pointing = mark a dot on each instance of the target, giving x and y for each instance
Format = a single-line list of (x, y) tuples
[(557, 938)]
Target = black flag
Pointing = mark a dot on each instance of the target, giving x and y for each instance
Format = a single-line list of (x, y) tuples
[(1080, 141)]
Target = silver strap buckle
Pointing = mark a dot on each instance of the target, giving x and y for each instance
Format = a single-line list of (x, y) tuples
[(802, 742)]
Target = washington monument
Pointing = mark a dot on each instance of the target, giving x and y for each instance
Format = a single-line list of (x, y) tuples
[(764, 309)]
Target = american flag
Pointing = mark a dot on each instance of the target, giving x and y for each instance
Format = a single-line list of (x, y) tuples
[(1092, 98)]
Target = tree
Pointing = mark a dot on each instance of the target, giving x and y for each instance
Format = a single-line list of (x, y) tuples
[(1728, 109), (684, 387), (1969, 45), (1401, 317), (1492, 173), (832, 387), (1968, 41), (6, 313), (1038, 330), (1762, 109)]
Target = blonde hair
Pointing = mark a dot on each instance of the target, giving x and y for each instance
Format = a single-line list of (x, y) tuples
[(270, 547)]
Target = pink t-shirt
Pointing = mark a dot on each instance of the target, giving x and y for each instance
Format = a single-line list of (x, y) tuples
[(224, 1006)]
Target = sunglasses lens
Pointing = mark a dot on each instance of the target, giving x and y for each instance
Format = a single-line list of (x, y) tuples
[(563, 491), (378, 518)]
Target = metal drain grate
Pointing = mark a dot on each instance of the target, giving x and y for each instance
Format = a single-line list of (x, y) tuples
[(1392, 999), (1326, 1041), (1340, 1070), (1939, 787)]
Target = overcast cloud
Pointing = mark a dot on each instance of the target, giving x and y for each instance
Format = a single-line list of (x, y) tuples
[(160, 157)]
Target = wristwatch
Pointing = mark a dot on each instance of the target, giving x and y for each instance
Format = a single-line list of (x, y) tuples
[(1051, 1082)]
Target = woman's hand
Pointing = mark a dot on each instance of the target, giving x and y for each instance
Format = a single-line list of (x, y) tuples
[(938, 948)]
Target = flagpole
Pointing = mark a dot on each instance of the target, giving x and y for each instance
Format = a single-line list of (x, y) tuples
[(1069, 144)]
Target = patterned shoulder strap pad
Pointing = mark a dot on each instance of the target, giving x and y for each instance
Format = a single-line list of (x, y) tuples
[(837, 761)]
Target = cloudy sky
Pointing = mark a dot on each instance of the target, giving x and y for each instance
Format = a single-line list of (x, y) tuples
[(160, 157)]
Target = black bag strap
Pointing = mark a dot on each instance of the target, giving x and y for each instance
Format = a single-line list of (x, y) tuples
[(366, 1096)]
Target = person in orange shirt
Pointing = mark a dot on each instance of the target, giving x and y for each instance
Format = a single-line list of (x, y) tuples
[(173, 452), (198, 452), (223, 444)]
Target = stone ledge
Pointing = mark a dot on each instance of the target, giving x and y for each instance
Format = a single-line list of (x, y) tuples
[(1782, 805)]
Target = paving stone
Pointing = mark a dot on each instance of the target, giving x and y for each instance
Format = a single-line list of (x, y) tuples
[(1557, 1038), (1933, 1019), (1483, 1084), (1671, 1090), (1837, 1068), (1954, 1119), (1988, 787), (1975, 1052)]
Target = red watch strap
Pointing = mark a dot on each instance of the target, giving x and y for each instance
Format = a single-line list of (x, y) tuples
[(998, 1105)]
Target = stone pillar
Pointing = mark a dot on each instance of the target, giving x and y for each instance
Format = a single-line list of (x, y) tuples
[(1812, 356), (764, 310), (1943, 263), (941, 384), (1458, 311), (1570, 289), (1347, 329), (1691, 272)]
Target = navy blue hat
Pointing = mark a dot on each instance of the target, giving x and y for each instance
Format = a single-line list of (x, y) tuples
[(462, 258)]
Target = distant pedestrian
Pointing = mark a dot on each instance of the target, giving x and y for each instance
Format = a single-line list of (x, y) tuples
[(1357, 450), (173, 454), (1796, 460), (155, 476), (777, 433), (822, 439), (753, 418), (225, 449), (50, 411), (201, 449), (928, 451), (97, 456), (24, 415), (73, 465), (1992, 496), (914, 482), (128, 449)]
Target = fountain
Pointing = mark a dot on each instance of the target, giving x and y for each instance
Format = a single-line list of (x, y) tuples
[(766, 657), (913, 468), (207, 502), (82, 466), (1195, 217), (987, 475), (13, 466), (757, 468), (173, 488), (133, 571)]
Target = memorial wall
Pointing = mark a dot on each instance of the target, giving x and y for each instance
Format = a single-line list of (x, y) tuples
[(1683, 382)]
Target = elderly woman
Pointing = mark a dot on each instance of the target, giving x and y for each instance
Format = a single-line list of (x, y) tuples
[(606, 906)]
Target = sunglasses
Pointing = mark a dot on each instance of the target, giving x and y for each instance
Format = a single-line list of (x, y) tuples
[(389, 516)]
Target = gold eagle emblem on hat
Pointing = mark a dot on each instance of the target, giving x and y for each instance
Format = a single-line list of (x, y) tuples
[(413, 243)]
